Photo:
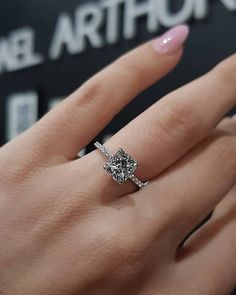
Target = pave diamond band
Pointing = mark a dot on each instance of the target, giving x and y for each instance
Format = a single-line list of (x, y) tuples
[(120, 166)]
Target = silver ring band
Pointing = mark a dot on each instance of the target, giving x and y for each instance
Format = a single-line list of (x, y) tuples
[(120, 166)]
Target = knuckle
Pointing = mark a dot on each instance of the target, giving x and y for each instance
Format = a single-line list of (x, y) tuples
[(179, 121), (89, 93), (121, 245), (124, 251), (12, 173), (127, 250), (104, 234), (226, 153), (131, 69)]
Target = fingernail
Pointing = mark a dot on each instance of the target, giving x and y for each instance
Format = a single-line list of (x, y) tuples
[(172, 40), (234, 117)]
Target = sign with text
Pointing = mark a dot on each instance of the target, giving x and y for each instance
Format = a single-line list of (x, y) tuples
[(73, 32), (22, 113), (48, 50)]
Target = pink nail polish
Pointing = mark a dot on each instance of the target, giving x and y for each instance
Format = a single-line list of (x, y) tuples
[(172, 40)]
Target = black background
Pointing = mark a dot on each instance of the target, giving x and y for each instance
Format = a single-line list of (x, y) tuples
[(211, 40)]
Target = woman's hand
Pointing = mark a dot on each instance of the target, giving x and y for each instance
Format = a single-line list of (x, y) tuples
[(68, 228)]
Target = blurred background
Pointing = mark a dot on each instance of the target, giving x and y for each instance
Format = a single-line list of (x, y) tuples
[(49, 48)]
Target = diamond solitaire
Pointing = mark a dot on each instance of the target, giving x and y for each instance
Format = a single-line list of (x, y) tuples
[(120, 166)]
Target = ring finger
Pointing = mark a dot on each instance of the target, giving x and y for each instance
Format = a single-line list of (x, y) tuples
[(171, 127)]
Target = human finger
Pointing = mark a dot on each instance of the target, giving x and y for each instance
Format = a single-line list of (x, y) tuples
[(64, 131), (180, 198), (171, 127)]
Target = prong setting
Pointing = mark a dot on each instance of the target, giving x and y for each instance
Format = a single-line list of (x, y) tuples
[(120, 166)]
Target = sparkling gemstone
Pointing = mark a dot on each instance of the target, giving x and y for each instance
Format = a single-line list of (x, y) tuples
[(121, 166)]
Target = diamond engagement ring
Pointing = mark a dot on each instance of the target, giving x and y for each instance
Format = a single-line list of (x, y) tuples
[(120, 166)]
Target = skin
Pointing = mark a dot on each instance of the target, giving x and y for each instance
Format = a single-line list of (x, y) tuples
[(68, 228)]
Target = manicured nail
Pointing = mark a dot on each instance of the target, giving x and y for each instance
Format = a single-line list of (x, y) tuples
[(172, 40)]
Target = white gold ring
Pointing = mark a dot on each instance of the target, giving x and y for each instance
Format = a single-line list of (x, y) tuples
[(120, 166)]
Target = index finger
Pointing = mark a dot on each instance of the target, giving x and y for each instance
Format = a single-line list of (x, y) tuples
[(75, 122)]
